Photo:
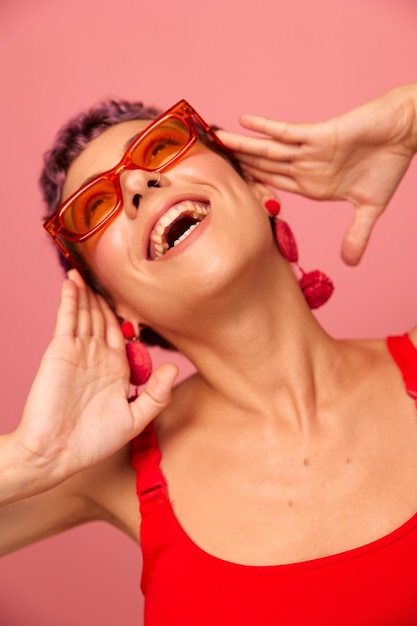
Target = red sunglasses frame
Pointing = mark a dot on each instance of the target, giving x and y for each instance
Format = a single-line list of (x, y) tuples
[(55, 226)]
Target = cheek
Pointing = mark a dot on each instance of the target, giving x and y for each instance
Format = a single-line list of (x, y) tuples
[(106, 255), (203, 165), (133, 289)]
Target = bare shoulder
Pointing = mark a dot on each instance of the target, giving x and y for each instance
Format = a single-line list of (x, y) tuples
[(413, 335), (103, 492), (110, 487)]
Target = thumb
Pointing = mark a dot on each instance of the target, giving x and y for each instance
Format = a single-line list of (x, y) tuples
[(155, 397), (358, 233)]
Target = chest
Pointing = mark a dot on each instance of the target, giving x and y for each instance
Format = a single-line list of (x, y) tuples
[(274, 503)]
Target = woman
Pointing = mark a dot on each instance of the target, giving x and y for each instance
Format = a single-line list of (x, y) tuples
[(277, 484)]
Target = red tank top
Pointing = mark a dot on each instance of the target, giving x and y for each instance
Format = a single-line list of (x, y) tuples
[(373, 585)]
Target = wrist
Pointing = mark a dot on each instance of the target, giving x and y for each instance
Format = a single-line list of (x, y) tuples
[(22, 475), (408, 102), (414, 103)]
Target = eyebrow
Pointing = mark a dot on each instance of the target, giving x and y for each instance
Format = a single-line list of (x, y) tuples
[(125, 147)]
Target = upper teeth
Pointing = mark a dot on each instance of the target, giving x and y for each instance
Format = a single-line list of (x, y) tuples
[(195, 210)]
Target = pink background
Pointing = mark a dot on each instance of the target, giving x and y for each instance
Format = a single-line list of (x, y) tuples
[(298, 60)]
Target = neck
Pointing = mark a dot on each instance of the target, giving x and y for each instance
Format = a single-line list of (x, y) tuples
[(262, 355)]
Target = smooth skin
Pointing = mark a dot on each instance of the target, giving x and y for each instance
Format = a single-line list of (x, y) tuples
[(270, 435)]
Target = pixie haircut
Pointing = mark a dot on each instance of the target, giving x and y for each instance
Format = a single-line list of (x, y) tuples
[(69, 142)]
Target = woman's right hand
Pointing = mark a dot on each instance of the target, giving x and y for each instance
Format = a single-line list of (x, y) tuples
[(77, 412)]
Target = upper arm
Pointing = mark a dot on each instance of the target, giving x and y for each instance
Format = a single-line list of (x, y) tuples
[(28, 520), (105, 491)]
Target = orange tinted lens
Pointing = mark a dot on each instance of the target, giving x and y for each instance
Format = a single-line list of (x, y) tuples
[(91, 207), (161, 144)]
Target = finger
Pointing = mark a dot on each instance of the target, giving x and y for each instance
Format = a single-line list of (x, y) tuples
[(258, 146), (76, 277), (357, 235), (283, 131), (66, 321), (98, 322), (279, 181), (242, 143), (266, 164), (155, 397), (83, 301), (101, 315), (112, 332), (84, 312)]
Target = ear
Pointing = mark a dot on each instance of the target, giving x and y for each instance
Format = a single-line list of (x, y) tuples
[(262, 192)]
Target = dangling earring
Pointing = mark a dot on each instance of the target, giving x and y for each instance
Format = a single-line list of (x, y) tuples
[(138, 356), (316, 286)]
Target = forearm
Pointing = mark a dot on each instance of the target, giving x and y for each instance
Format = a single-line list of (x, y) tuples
[(34, 504), (34, 518), (30, 519)]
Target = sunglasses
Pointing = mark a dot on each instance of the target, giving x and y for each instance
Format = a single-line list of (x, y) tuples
[(158, 147)]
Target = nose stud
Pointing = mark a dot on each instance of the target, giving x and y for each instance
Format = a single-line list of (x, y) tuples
[(155, 183)]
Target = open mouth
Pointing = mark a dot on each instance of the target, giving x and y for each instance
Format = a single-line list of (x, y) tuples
[(175, 226)]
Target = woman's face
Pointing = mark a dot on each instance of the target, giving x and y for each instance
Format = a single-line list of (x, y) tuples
[(152, 280)]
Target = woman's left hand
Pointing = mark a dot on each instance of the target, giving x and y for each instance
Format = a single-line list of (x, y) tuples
[(360, 157)]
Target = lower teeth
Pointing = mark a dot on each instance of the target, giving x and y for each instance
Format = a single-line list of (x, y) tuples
[(185, 235)]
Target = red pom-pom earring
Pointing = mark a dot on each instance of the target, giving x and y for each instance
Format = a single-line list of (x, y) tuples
[(316, 286), (138, 356)]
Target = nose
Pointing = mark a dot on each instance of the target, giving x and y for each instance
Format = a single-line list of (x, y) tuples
[(134, 184)]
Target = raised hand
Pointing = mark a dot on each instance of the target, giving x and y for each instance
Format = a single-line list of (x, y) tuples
[(77, 412), (360, 157)]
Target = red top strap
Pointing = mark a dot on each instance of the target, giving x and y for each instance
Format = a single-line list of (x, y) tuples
[(404, 354), (373, 584), (151, 485)]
